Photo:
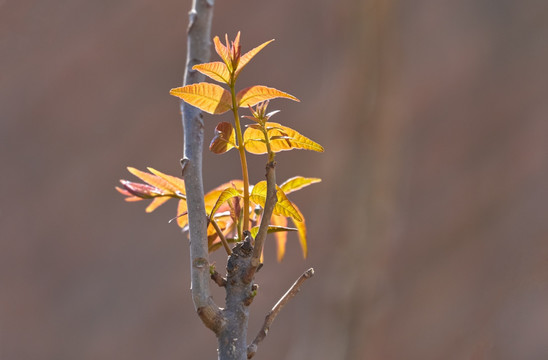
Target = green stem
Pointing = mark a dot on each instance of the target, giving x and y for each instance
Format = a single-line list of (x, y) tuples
[(243, 160)]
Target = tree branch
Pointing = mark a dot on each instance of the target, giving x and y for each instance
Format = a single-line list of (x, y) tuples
[(271, 316), (270, 202), (198, 51), (221, 236), (216, 277)]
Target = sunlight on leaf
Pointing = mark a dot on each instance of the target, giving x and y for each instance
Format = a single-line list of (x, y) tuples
[(210, 98), (178, 183), (281, 237), (211, 197), (225, 195), (160, 188), (297, 183), (301, 228), (182, 217), (156, 202), (129, 196), (282, 138), (215, 70), (273, 229), (283, 206), (255, 94), (213, 240), (216, 245), (221, 222), (221, 50), (167, 187), (224, 203)]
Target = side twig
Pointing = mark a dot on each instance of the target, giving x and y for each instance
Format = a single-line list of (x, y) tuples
[(271, 200), (221, 236), (216, 277), (271, 316)]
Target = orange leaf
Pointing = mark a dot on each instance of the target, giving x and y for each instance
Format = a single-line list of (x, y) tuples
[(215, 70), (156, 181), (178, 183), (221, 50), (224, 138), (281, 138), (156, 202), (255, 94), (129, 196), (301, 229), (210, 98), (216, 244), (159, 187), (281, 237), (212, 240), (248, 56), (138, 191), (280, 231), (211, 231), (235, 49), (182, 220), (211, 197), (225, 195)]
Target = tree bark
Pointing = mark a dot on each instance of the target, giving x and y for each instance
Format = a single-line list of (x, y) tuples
[(198, 51)]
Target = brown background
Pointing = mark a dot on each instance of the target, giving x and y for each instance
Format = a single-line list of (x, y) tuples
[(428, 234)]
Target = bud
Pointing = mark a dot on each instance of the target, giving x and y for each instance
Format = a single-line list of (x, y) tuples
[(143, 191)]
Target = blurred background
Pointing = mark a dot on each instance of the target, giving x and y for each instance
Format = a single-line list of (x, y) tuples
[(428, 233)]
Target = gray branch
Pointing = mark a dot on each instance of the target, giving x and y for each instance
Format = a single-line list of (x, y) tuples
[(198, 51), (270, 203), (269, 319)]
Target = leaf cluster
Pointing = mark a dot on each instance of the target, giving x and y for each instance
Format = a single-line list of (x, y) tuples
[(235, 206), (223, 205)]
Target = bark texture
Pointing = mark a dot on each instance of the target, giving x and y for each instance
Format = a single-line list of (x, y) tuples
[(198, 51)]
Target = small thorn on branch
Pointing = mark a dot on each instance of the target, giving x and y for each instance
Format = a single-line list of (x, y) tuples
[(271, 316), (184, 163)]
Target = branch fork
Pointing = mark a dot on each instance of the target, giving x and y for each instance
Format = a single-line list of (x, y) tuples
[(229, 324)]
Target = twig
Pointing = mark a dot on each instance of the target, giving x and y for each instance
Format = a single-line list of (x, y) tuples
[(271, 316), (221, 236), (216, 277), (271, 200)]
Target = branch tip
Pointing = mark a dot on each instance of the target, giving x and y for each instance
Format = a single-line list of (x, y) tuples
[(271, 316)]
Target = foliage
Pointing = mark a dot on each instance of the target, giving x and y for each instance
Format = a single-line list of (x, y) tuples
[(235, 206)]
